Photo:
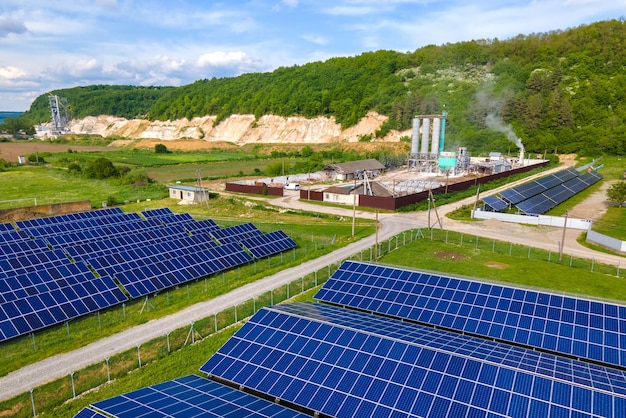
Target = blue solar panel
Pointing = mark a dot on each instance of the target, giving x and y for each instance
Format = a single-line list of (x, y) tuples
[(88, 413), (495, 203), (268, 244), (6, 227), (157, 212), (54, 293), (350, 364), (235, 233), (569, 325), (542, 203), (518, 194), (191, 396)]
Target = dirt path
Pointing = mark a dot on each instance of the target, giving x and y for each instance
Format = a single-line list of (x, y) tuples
[(9, 151), (547, 238)]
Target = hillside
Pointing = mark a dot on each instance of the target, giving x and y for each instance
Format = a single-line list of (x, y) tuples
[(238, 129), (563, 90)]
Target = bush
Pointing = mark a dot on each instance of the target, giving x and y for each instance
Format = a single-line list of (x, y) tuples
[(74, 168), (160, 149), (137, 178), (111, 201), (36, 159), (100, 169)]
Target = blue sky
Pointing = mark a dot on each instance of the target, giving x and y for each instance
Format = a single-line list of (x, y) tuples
[(46, 45)]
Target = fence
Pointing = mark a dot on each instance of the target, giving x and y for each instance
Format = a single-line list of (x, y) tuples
[(606, 241), (543, 220), (121, 364)]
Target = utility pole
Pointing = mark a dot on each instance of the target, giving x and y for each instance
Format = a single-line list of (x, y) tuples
[(354, 206), (476, 201), (563, 239), (376, 252)]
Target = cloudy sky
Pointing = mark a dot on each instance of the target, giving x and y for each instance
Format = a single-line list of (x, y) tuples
[(46, 45)]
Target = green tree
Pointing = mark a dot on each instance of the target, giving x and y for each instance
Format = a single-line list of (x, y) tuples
[(160, 149), (274, 169), (100, 168), (617, 193)]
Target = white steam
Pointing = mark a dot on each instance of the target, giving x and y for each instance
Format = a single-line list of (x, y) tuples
[(495, 123)]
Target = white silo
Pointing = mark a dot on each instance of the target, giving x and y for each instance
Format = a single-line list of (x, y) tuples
[(434, 147), (425, 135), (415, 137)]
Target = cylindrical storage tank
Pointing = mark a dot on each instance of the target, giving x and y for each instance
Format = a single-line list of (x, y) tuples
[(416, 136), (434, 146), (425, 135)]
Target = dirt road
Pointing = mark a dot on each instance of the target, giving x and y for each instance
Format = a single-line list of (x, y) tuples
[(547, 238)]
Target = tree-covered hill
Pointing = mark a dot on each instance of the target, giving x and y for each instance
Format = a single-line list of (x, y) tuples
[(562, 90), (123, 101)]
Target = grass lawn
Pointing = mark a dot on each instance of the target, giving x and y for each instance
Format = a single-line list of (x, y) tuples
[(49, 185), (445, 257), (613, 223)]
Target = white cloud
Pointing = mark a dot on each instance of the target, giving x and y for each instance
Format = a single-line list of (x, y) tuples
[(319, 40), (224, 59), (11, 26), (290, 3), (11, 73)]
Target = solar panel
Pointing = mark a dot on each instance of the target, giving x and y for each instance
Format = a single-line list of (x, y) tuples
[(235, 233), (88, 413), (6, 227), (495, 203), (191, 396), (268, 244), (12, 236), (350, 364), (150, 213), (573, 326), (542, 203), (50, 295), (525, 191)]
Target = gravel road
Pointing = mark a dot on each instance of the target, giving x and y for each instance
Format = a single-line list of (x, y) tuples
[(36, 374)]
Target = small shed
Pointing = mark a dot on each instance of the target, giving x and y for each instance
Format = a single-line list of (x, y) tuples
[(189, 194), (346, 194), (352, 169)]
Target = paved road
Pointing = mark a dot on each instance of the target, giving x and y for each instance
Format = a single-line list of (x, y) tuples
[(34, 375)]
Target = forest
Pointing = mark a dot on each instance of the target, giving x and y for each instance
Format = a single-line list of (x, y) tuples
[(559, 91)]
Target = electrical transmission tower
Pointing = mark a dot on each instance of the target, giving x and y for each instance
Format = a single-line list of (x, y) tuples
[(60, 113)]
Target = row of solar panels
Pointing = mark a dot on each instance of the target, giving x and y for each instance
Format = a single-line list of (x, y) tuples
[(71, 217), (366, 349), (539, 196), (540, 204), (532, 188), (51, 279)]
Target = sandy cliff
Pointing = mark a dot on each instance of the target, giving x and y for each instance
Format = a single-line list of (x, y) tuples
[(238, 129)]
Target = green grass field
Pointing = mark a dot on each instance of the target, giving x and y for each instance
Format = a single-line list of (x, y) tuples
[(450, 253), (49, 185)]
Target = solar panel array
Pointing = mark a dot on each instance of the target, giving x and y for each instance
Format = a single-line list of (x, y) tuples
[(45, 288), (47, 267), (268, 244), (543, 202), (577, 327), (191, 396), (349, 364), (495, 203), (235, 233), (532, 188), (385, 352)]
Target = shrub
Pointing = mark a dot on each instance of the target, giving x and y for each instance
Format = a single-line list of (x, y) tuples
[(160, 149), (100, 169)]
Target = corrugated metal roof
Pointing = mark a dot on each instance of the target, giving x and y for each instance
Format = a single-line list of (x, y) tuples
[(354, 166), (188, 188)]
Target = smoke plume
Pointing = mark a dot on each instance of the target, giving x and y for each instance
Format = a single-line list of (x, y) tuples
[(495, 123)]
